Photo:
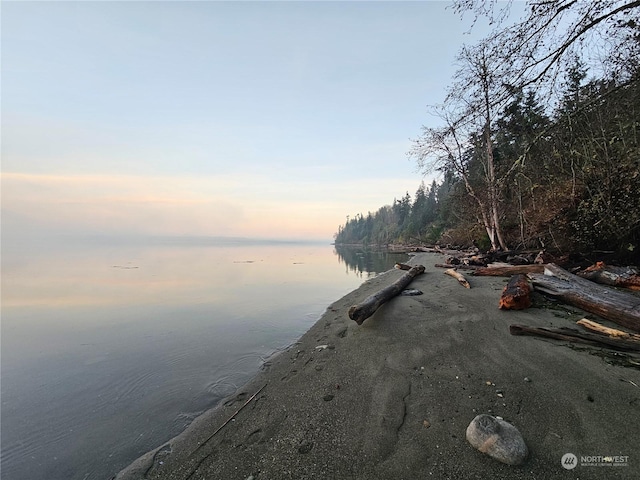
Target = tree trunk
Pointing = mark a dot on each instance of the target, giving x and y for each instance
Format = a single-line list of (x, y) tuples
[(491, 169), (368, 307), (618, 307)]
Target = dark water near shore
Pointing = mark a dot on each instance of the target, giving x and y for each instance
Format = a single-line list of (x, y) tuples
[(109, 350)]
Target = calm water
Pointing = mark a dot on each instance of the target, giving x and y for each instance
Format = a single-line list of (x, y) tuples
[(110, 350)]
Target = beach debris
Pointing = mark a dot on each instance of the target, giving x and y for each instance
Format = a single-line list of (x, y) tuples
[(231, 418), (621, 308), (321, 347), (458, 267), (498, 439), (410, 292), (505, 270), (458, 276), (360, 312), (527, 379), (402, 266), (426, 423), (516, 294), (611, 332), (576, 336), (629, 381), (626, 277)]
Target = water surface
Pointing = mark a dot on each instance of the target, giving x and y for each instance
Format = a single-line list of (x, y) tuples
[(111, 349)]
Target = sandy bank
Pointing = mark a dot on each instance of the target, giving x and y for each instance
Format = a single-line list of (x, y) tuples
[(391, 399)]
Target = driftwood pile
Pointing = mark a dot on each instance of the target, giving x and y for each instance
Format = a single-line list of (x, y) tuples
[(590, 289), (598, 289)]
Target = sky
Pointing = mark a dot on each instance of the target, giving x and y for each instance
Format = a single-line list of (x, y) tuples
[(255, 119)]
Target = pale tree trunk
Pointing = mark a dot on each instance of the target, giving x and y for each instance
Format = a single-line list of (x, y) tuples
[(492, 187), (486, 217)]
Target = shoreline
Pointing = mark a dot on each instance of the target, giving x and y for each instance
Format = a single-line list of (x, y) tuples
[(392, 398)]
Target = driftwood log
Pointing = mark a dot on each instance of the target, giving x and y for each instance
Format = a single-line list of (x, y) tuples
[(459, 267), (575, 336), (508, 270), (618, 307), (402, 266), (600, 272), (360, 312), (610, 332), (458, 276), (516, 294)]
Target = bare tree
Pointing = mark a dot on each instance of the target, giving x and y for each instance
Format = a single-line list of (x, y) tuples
[(469, 110), (446, 148), (552, 32)]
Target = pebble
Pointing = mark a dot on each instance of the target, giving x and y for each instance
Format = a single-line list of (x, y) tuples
[(498, 439), (527, 379)]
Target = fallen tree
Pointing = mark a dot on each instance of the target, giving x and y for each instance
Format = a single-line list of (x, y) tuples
[(360, 312), (618, 307)]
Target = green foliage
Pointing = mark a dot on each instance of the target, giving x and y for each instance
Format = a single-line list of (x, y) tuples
[(567, 171), (403, 221)]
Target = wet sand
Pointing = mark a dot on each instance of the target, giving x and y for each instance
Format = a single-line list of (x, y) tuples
[(392, 398)]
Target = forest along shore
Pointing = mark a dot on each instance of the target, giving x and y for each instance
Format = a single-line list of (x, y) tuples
[(393, 397)]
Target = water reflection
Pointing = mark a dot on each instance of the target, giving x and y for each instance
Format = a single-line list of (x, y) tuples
[(365, 262), (110, 350)]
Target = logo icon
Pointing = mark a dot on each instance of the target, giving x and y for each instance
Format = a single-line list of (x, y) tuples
[(569, 461)]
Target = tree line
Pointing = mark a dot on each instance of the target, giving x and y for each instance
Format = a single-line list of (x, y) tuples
[(537, 143)]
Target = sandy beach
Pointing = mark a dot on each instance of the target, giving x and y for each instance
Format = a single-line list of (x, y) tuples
[(392, 398)]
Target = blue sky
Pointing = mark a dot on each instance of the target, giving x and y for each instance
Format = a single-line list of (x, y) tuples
[(269, 119)]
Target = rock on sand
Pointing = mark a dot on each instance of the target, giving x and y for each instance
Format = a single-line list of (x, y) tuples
[(498, 439)]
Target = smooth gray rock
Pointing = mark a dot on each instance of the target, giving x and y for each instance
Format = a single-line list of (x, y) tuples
[(498, 439)]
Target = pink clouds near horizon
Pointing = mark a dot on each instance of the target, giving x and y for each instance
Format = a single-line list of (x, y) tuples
[(225, 205)]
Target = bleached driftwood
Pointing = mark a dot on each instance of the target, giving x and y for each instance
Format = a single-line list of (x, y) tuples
[(610, 332), (458, 276)]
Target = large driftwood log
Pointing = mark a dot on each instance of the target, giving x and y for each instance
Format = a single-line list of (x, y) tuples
[(600, 272), (575, 336), (508, 270), (364, 310), (618, 307), (516, 294)]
